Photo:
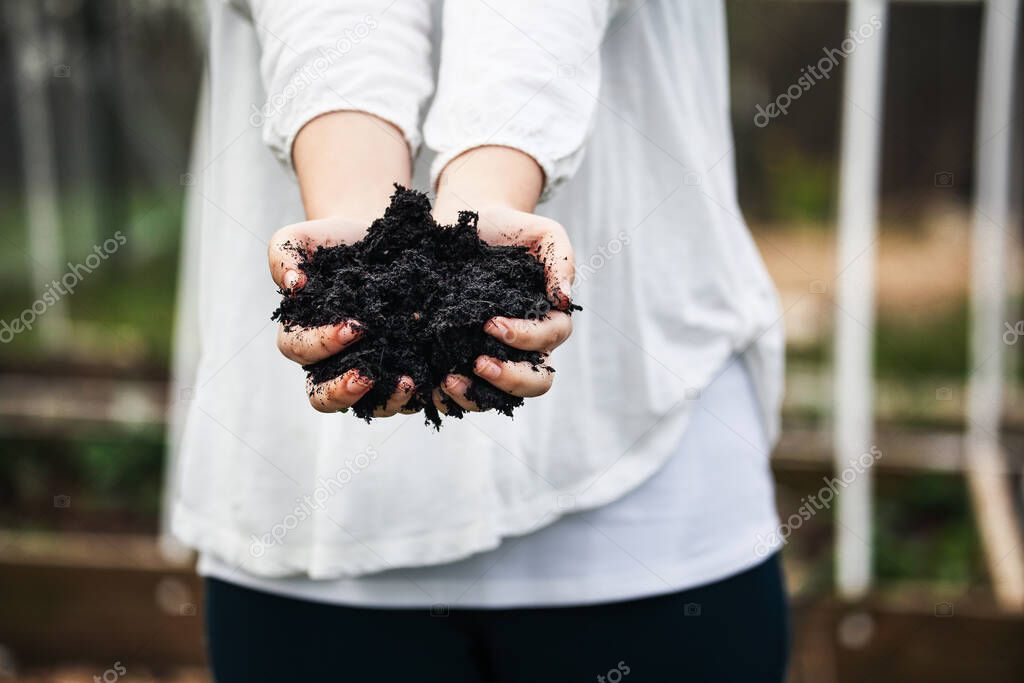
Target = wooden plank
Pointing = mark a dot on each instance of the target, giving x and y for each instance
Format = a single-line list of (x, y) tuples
[(147, 617), (901, 448), (105, 598), (56, 613)]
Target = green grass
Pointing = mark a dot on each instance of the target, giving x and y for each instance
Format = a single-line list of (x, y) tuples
[(912, 346), (113, 482), (125, 307), (925, 530), (906, 346)]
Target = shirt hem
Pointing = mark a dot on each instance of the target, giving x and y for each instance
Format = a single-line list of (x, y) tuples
[(367, 556), (530, 592)]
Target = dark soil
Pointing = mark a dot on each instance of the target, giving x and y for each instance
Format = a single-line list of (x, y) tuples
[(421, 293)]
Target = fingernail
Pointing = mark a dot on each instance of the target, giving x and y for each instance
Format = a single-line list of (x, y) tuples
[(347, 332), (456, 384), (356, 384), (488, 368), (561, 295), (291, 279), (498, 325)]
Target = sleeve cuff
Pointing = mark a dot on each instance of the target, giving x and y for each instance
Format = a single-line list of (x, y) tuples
[(556, 171), (281, 128)]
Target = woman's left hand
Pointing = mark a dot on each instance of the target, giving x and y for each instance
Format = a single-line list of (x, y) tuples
[(544, 332)]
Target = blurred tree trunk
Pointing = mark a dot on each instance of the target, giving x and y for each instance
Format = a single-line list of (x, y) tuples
[(46, 249), (109, 161), (79, 152)]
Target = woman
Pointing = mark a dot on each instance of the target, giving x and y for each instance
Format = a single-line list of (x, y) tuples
[(616, 527)]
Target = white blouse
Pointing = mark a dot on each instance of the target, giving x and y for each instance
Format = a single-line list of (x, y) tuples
[(707, 514), (669, 278)]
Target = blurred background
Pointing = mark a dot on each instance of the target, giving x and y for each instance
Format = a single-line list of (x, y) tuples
[(99, 98)]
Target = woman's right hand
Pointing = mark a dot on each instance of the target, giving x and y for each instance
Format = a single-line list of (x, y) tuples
[(305, 345)]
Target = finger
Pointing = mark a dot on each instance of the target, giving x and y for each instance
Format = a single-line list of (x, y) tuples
[(396, 404), (542, 334), (455, 387), (550, 244), (289, 245), (338, 393), (286, 249), (518, 379), (436, 397), (307, 345), (554, 250)]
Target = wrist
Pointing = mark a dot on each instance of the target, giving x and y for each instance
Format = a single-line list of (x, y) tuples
[(448, 205), (362, 207), (488, 177), (347, 163)]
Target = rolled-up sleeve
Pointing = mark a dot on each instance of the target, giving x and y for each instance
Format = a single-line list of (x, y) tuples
[(521, 74), (358, 55)]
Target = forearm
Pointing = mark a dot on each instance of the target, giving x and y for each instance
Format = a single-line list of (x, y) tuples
[(347, 163), (488, 176)]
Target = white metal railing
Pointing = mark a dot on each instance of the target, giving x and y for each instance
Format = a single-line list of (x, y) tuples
[(853, 431), (986, 469), (989, 486)]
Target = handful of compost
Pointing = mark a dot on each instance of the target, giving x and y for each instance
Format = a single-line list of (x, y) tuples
[(419, 295)]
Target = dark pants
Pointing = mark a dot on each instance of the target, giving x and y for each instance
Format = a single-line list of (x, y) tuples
[(732, 630)]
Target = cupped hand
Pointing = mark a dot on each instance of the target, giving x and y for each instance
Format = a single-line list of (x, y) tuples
[(306, 345), (543, 330)]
